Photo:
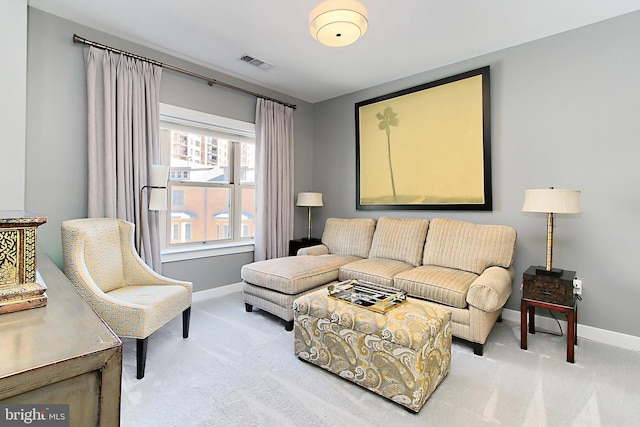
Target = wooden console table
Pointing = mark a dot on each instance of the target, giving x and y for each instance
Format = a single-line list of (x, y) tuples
[(61, 354)]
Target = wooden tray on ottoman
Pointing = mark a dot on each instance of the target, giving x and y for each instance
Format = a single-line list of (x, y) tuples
[(368, 295)]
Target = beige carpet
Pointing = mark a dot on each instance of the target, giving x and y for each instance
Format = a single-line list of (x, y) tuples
[(238, 369)]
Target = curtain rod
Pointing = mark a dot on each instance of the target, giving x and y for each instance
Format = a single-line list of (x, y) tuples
[(210, 82)]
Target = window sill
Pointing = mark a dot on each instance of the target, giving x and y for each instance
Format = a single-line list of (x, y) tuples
[(181, 254)]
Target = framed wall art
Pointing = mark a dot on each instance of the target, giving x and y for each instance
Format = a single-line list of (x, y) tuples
[(426, 147)]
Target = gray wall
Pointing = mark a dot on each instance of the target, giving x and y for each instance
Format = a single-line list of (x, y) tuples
[(56, 169), (13, 78), (565, 113), (209, 272)]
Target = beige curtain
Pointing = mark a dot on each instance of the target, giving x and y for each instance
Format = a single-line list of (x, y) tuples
[(274, 179), (123, 142)]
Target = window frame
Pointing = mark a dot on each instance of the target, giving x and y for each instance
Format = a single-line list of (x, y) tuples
[(236, 132)]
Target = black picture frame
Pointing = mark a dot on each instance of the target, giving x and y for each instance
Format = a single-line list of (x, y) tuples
[(441, 148)]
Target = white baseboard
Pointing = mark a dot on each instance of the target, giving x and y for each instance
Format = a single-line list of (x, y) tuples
[(604, 336)]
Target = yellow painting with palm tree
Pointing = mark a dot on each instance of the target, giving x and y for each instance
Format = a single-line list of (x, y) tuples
[(424, 147)]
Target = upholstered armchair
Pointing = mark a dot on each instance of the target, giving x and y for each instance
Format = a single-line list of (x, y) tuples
[(102, 264)]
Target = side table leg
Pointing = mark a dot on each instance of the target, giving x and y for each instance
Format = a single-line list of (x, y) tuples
[(571, 337), (575, 322), (523, 325), (532, 319)]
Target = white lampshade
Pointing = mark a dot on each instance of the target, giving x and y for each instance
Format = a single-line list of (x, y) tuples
[(309, 199), (338, 23), (158, 175), (158, 199), (552, 200), (158, 178)]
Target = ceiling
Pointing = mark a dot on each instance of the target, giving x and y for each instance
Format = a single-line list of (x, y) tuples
[(405, 37)]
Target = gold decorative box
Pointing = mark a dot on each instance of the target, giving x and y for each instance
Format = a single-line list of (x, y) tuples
[(19, 287)]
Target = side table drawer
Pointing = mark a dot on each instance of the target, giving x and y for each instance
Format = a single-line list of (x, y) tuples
[(554, 290)]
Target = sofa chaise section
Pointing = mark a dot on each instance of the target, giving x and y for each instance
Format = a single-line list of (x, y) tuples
[(273, 285)]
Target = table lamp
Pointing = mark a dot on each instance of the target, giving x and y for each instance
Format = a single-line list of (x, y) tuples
[(309, 200), (551, 201)]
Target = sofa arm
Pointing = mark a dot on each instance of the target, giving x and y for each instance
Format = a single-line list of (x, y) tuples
[(490, 291), (313, 250)]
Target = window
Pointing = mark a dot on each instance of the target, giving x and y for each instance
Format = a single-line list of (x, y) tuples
[(177, 197), (212, 171)]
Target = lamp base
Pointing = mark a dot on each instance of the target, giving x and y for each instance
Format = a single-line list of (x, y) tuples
[(555, 272)]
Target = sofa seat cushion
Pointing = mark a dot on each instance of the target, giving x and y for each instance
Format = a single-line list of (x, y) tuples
[(440, 284), (295, 274), (374, 270)]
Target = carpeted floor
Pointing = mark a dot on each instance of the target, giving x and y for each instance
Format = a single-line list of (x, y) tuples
[(238, 369)]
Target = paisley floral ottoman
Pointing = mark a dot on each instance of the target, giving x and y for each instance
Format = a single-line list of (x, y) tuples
[(402, 355)]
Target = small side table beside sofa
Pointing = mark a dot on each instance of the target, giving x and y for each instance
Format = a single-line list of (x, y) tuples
[(552, 292)]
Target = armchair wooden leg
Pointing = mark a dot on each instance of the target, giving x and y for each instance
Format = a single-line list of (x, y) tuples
[(186, 318), (141, 356), (248, 307)]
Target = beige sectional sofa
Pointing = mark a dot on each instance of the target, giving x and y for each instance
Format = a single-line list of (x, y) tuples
[(466, 268)]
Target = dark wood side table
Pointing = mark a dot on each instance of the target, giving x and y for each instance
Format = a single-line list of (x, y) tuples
[(296, 244), (553, 293)]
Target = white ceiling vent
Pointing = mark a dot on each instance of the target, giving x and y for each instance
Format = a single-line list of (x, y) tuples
[(256, 62)]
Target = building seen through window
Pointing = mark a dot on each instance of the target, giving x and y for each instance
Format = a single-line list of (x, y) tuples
[(211, 186)]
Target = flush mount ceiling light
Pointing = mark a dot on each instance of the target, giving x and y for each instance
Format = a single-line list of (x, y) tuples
[(338, 23)]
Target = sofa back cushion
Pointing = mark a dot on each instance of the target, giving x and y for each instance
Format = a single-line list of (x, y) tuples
[(469, 247), (349, 236), (401, 239)]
